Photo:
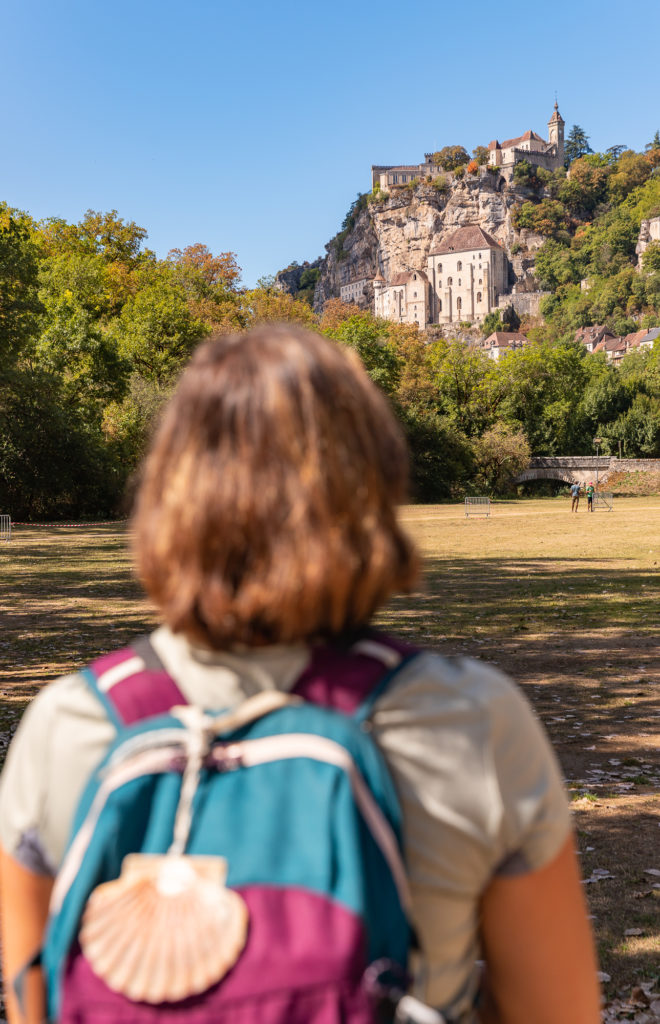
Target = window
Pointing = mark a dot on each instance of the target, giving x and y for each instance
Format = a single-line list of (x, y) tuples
[(459, 282), (439, 305), (414, 295), (478, 296), (480, 281), (439, 268), (459, 265), (459, 302), (450, 280), (415, 278), (439, 284)]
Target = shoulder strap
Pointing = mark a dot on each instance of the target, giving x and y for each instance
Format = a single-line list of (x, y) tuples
[(132, 684), (350, 679)]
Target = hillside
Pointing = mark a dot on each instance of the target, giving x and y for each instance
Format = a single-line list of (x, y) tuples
[(392, 232)]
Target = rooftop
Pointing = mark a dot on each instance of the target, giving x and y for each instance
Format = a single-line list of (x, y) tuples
[(465, 239)]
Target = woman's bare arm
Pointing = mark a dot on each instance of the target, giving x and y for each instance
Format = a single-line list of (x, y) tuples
[(24, 898), (538, 947)]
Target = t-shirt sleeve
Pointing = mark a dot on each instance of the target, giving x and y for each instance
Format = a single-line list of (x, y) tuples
[(535, 818), (62, 735)]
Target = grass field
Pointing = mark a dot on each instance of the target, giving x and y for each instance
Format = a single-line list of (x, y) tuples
[(567, 604)]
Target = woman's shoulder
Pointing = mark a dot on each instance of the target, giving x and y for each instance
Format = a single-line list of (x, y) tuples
[(433, 679)]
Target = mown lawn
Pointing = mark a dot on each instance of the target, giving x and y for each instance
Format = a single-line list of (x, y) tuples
[(567, 604)]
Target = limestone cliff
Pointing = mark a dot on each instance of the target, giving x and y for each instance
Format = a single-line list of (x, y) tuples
[(397, 233)]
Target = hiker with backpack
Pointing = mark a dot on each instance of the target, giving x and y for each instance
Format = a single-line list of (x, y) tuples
[(266, 811)]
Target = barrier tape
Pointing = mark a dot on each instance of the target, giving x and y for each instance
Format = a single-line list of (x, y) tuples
[(103, 522)]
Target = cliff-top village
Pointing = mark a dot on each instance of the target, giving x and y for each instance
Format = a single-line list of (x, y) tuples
[(467, 275)]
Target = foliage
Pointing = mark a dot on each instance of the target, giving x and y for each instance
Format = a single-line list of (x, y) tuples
[(577, 144), (545, 218), (19, 302), (350, 220), (472, 167), (525, 174), (440, 184), (450, 157), (651, 258), (480, 154), (501, 453), (493, 322)]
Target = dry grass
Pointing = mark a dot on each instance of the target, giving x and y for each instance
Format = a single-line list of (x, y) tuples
[(567, 604)]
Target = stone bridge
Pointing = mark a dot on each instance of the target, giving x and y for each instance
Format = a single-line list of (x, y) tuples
[(582, 468)]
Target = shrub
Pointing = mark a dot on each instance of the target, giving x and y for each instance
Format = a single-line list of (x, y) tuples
[(460, 172), (440, 184), (472, 167), (516, 247)]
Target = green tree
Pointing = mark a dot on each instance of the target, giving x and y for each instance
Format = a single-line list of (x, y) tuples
[(651, 258), (654, 143), (480, 154), (493, 322), (368, 337), (577, 144), (451, 157), (614, 152), (19, 301), (156, 332), (501, 453)]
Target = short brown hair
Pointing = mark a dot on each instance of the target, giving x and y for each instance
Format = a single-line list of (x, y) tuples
[(267, 508)]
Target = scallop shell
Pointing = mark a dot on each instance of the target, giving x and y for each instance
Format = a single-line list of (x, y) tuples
[(167, 928)]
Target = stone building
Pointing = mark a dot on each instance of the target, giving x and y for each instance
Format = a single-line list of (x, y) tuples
[(531, 147), (467, 274), (387, 175), (403, 299), (353, 291), (499, 342)]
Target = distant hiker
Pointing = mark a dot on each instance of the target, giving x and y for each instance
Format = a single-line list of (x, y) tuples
[(590, 497), (301, 790), (575, 497)]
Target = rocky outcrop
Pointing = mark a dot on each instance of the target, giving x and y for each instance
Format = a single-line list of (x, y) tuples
[(288, 280), (397, 233), (649, 231)]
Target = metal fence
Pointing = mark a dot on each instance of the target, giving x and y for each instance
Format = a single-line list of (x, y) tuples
[(604, 500), (477, 506), (5, 528)]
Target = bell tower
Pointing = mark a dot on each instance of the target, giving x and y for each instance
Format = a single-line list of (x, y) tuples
[(556, 134)]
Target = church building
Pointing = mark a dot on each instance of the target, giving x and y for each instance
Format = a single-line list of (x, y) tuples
[(531, 147)]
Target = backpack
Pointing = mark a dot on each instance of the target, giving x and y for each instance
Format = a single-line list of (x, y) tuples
[(283, 810)]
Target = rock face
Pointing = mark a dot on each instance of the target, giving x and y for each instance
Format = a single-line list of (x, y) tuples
[(289, 280), (396, 234)]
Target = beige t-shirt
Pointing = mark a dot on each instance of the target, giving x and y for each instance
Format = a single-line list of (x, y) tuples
[(479, 786)]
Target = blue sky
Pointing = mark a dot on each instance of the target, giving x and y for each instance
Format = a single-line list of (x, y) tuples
[(252, 127)]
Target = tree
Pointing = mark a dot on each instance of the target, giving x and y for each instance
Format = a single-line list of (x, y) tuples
[(19, 301), (451, 157), (651, 258), (480, 154), (368, 337), (614, 152), (632, 169), (501, 453), (654, 143), (577, 144), (156, 332), (525, 174), (104, 233), (493, 322)]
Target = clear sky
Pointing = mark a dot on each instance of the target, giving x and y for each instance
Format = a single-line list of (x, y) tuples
[(252, 127)]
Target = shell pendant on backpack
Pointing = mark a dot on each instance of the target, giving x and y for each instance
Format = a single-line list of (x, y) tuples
[(167, 928)]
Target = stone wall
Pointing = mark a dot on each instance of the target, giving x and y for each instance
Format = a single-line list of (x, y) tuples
[(524, 303)]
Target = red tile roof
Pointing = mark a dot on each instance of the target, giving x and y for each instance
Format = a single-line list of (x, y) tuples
[(633, 340), (527, 137), (465, 239)]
